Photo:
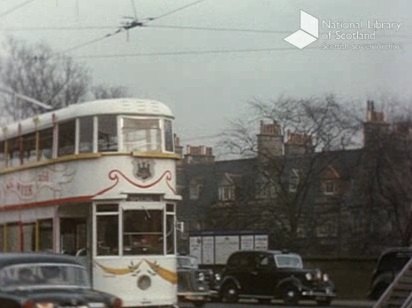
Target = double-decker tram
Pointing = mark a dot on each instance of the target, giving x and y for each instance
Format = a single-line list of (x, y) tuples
[(96, 179)]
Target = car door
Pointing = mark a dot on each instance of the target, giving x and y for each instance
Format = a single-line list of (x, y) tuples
[(261, 275)]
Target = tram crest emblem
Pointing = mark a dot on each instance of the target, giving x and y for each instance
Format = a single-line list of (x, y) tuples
[(143, 169)]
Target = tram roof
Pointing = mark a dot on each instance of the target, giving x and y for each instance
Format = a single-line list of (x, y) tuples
[(131, 106)]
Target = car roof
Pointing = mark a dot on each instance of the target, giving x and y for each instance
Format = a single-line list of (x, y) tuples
[(7, 259), (264, 251)]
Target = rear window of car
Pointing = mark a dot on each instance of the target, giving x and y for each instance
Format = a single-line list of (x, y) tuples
[(288, 261)]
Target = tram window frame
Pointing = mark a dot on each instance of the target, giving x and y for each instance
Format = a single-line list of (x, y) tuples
[(45, 234), (143, 239), (13, 152), (3, 161), (29, 147), (66, 139), (103, 211), (137, 134), (170, 233), (45, 147), (107, 133), (2, 234), (13, 237), (86, 134), (28, 237), (168, 135)]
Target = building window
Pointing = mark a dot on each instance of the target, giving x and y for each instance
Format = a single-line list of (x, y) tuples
[(329, 188), (328, 229), (195, 189), (293, 180), (226, 193)]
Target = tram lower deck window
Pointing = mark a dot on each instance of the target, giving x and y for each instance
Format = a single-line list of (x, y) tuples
[(143, 232)]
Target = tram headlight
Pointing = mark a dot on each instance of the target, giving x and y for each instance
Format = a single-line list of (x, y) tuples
[(144, 282)]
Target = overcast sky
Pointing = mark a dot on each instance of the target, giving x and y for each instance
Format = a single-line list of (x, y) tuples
[(210, 86)]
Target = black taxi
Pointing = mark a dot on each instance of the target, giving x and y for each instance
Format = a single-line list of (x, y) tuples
[(267, 275), (32, 280)]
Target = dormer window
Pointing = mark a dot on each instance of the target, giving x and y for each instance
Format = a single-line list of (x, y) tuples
[(329, 188), (226, 193), (293, 180)]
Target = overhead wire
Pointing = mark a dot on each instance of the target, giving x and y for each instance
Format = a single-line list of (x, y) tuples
[(15, 8), (189, 52)]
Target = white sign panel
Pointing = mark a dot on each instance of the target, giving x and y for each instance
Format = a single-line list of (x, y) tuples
[(261, 242), (246, 242), (224, 246), (195, 248), (208, 250)]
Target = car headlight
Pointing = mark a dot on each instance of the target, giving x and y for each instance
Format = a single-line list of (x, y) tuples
[(325, 277), (308, 276), (200, 276), (218, 277), (319, 275)]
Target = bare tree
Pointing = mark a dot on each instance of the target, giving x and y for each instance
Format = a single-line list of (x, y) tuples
[(387, 180), (37, 72), (300, 143), (105, 91)]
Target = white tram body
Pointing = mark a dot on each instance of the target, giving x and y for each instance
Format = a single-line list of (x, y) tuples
[(97, 179)]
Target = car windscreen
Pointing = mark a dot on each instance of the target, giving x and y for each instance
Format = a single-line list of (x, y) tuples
[(40, 275), (289, 261)]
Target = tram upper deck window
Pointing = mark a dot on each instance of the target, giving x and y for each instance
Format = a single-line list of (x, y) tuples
[(86, 134), (168, 135), (45, 150), (107, 133), (141, 135), (14, 158), (2, 155), (142, 232), (29, 148), (66, 139)]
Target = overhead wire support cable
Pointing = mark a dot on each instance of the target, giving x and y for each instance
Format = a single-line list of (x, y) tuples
[(129, 25)]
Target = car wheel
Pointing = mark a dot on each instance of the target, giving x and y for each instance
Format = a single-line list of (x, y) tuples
[(324, 302), (290, 295), (230, 293)]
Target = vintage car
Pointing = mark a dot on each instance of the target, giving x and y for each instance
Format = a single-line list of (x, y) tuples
[(193, 283), (32, 280), (389, 264), (267, 275)]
